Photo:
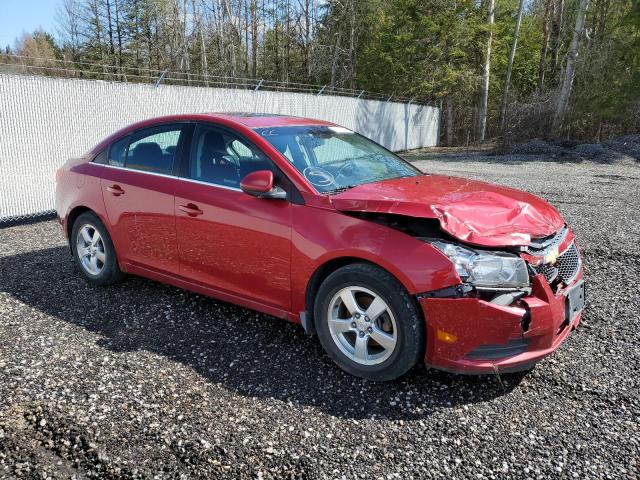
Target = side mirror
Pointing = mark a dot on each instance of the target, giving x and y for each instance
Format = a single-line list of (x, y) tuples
[(260, 184)]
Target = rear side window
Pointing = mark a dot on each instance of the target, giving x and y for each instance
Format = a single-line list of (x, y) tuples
[(154, 149), (117, 152)]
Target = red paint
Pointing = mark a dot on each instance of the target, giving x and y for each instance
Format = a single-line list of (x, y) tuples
[(257, 182), (262, 253), (142, 218), (240, 245), (477, 212), (477, 323)]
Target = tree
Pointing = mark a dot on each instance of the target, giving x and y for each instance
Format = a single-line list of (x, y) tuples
[(460, 55), (546, 20), (38, 45), (484, 91), (512, 54), (569, 71)]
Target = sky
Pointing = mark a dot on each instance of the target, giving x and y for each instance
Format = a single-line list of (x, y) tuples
[(18, 16)]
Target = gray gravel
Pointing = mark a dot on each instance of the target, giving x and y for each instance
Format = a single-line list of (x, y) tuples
[(144, 380)]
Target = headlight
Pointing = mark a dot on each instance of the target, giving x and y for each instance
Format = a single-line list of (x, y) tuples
[(486, 269)]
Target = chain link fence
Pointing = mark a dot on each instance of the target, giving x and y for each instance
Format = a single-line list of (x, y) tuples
[(45, 120), (23, 65)]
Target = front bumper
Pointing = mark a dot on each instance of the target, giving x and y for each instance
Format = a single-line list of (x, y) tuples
[(473, 336)]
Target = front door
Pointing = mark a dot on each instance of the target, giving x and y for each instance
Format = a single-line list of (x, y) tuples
[(227, 239), (138, 187)]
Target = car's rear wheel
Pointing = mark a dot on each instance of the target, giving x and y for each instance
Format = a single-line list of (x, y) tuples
[(367, 322), (93, 250)]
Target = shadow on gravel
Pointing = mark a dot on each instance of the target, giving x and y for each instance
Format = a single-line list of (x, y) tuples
[(252, 354)]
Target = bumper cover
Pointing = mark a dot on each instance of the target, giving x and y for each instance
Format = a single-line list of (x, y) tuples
[(473, 336)]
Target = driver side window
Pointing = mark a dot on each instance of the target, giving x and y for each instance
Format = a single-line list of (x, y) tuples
[(221, 158)]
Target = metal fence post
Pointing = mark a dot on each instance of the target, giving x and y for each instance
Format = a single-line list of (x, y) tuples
[(161, 77)]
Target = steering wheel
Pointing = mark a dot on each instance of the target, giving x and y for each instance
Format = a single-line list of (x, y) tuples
[(347, 164), (319, 177)]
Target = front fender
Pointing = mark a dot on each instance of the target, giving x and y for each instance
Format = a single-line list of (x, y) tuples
[(323, 235)]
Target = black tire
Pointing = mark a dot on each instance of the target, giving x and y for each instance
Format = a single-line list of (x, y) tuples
[(409, 323), (110, 271)]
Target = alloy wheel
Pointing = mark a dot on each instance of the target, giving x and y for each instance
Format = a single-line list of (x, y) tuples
[(90, 248), (362, 325)]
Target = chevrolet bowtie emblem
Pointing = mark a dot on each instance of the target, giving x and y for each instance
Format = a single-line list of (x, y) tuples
[(552, 256)]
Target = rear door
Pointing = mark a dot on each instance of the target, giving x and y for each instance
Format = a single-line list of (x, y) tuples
[(227, 239), (138, 187)]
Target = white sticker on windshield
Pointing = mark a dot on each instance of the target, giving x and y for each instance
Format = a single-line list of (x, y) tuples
[(339, 130)]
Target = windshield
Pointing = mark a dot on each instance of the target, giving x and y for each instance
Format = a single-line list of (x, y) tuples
[(333, 159)]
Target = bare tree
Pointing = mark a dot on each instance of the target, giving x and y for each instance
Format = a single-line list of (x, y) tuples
[(545, 43), (254, 38), (558, 21), (449, 121), (512, 55), (569, 70), (484, 91), (68, 20)]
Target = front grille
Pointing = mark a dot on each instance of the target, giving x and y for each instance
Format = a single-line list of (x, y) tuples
[(549, 271), (566, 267), (540, 247)]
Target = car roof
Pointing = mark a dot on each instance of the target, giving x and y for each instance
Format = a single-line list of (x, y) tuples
[(246, 119), (259, 120)]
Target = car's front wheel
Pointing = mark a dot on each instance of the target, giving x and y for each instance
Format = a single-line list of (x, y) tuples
[(367, 322), (93, 250)]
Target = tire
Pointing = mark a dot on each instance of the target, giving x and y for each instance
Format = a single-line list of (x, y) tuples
[(91, 251), (394, 340)]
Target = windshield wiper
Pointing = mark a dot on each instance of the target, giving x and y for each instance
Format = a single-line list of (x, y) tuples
[(339, 189)]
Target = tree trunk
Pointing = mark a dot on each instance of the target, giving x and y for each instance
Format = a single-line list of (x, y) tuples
[(449, 121), (334, 61), (545, 44), (557, 33), (254, 39), (569, 71), (118, 33), (484, 93), (110, 30), (307, 43), (352, 45), (512, 55)]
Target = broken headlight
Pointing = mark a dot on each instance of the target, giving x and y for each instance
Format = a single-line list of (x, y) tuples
[(486, 269)]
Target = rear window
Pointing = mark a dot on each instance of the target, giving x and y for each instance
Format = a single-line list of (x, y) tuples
[(117, 152), (101, 158), (154, 149)]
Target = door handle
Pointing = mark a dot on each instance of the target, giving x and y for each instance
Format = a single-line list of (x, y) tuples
[(191, 209), (116, 190)]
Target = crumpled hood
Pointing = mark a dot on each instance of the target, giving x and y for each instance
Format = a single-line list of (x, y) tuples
[(476, 212)]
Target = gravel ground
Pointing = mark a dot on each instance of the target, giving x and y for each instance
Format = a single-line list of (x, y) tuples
[(145, 380)]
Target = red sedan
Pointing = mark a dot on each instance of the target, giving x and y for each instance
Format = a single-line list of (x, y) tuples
[(313, 223)]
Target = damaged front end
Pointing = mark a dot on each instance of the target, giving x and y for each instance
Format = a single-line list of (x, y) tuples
[(512, 308)]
